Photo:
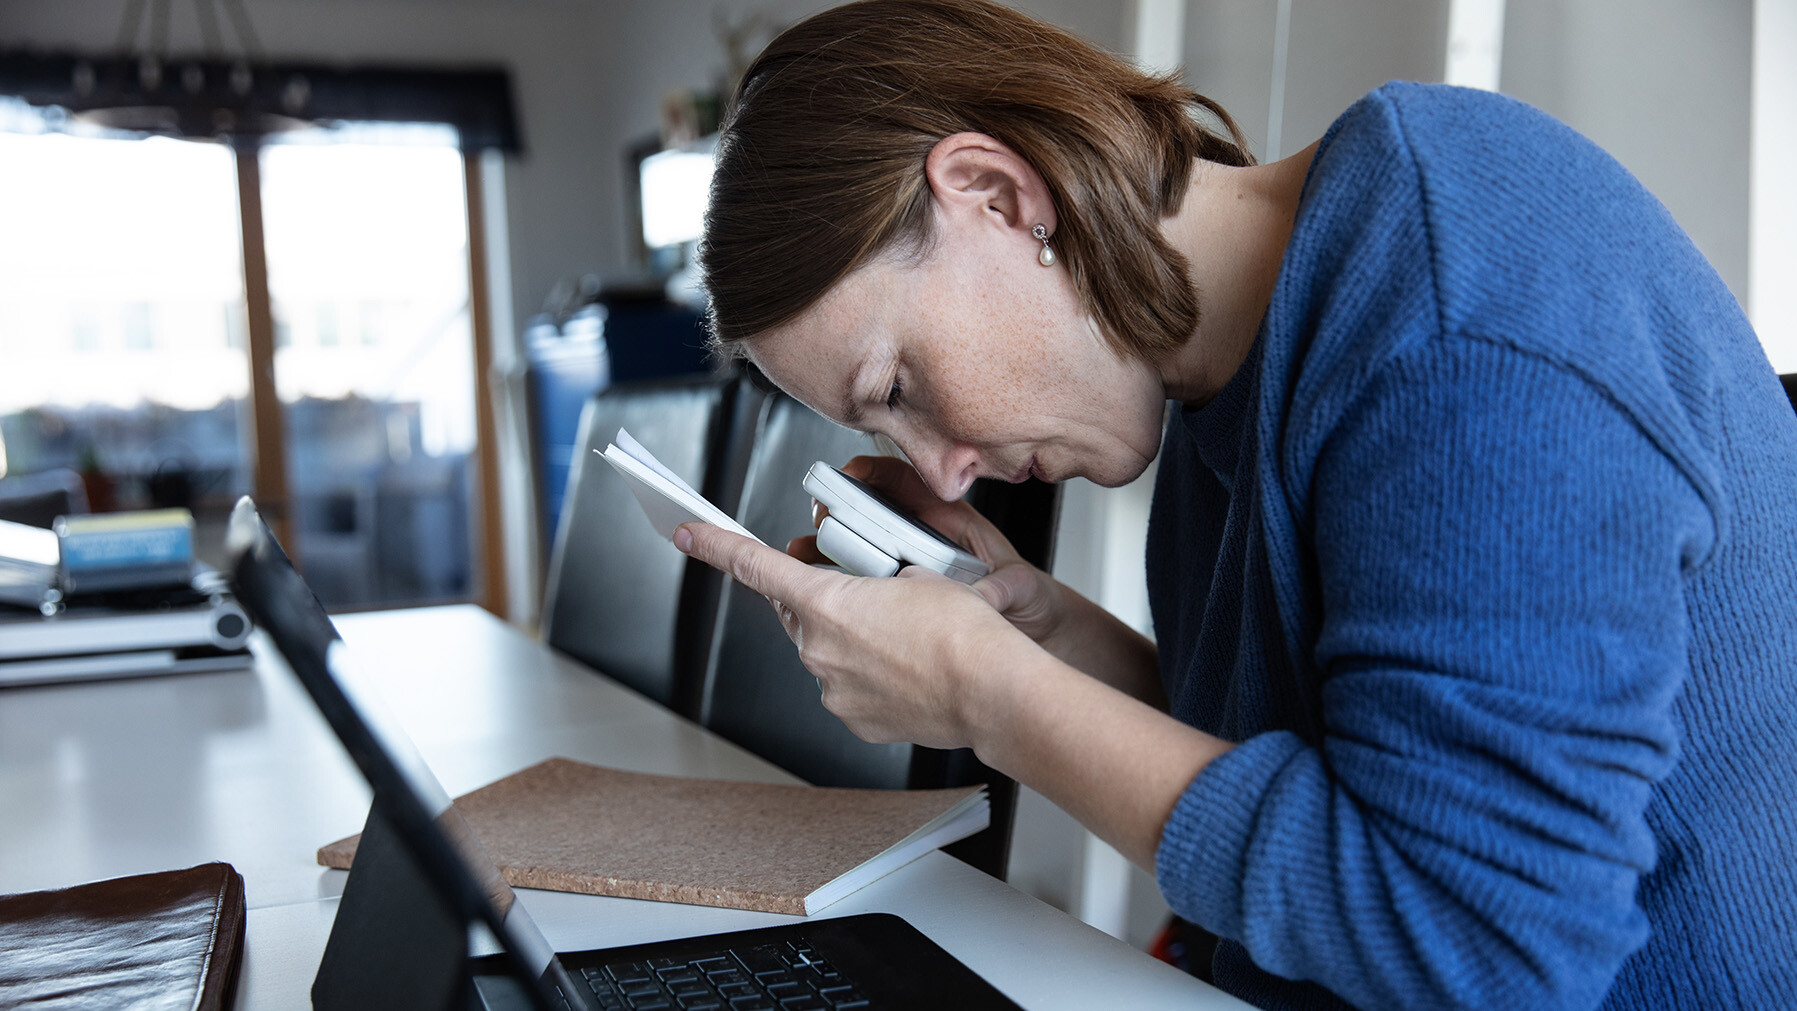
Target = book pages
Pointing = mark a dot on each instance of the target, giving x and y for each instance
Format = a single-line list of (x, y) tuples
[(666, 500)]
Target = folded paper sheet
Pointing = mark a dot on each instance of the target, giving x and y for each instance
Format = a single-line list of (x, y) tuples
[(666, 499), (567, 826)]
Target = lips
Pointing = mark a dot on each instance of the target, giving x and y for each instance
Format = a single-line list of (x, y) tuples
[(1029, 470)]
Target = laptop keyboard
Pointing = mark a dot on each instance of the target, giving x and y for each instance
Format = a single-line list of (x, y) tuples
[(762, 977)]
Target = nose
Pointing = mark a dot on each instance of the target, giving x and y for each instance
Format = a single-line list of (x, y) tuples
[(949, 468)]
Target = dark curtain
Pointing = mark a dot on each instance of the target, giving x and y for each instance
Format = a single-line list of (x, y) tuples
[(207, 98)]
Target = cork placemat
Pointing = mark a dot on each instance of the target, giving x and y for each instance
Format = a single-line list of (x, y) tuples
[(568, 826)]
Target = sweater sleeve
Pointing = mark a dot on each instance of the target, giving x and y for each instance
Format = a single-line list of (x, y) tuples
[(1499, 554)]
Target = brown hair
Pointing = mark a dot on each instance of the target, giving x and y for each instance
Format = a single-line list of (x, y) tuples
[(821, 164)]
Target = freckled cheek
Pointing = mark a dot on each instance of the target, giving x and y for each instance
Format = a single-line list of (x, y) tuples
[(981, 410)]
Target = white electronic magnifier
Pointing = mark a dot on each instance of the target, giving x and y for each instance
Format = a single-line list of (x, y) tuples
[(869, 535)]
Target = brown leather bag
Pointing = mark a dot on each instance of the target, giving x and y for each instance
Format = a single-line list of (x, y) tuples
[(169, 940)]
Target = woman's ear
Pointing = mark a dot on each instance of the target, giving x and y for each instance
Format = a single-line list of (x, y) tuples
[(978, 178)]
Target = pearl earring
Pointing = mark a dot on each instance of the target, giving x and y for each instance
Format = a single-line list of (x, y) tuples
[(1046, 256)]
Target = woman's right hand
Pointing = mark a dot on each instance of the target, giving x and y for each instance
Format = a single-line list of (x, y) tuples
[(1025, 595)]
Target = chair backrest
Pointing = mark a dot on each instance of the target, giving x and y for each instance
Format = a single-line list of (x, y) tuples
[(758, 694), (620, 599), (37, 499), (756, 691)]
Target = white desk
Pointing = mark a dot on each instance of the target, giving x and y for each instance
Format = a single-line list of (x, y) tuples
[(105, 779)]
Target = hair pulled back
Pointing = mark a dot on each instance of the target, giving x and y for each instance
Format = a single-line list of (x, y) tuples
[(820, 166)]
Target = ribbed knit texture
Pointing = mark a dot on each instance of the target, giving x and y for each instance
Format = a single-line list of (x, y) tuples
[(1487, 559)]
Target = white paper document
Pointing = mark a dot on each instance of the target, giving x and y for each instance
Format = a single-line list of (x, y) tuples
[(666, 500)]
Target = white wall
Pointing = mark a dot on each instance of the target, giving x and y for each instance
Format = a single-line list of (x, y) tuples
[(1342, 49), (1335, 51), (1663, 85), (1772, 233), (1229, 58)]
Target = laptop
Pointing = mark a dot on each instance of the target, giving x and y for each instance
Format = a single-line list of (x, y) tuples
[(423, 885), (166, 630)]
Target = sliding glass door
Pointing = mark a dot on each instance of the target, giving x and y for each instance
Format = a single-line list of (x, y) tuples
[(126, 352)]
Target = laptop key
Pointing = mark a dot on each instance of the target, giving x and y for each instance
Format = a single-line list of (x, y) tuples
[(803, 1002), (699, 1002), (844, 997), (733, 991), (628, 972), (725, 977), (769, 979), (762, 958), (606, 994), (753, 1002)]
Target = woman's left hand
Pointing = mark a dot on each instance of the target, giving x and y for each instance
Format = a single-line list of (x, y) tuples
[(898, 659)]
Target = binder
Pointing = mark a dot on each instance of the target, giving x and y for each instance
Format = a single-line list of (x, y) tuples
[(172, 939)]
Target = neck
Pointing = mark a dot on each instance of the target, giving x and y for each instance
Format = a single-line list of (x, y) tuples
[(1233, 228)]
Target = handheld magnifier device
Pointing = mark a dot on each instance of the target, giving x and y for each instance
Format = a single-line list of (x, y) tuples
[(869, 535)]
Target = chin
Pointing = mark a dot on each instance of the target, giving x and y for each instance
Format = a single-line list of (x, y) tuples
[(1114, 473)]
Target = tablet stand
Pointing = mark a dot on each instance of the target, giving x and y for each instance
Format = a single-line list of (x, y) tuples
[(396, 942)]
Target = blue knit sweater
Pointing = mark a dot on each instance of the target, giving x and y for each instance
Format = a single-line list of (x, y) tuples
[(1487, 559)]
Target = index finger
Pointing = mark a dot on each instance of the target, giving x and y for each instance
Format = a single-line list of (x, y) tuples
[(768, 572)]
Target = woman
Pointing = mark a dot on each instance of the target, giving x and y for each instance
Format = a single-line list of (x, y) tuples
[(1469, 561)]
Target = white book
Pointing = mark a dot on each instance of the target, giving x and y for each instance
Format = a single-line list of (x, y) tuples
[(666, 499)]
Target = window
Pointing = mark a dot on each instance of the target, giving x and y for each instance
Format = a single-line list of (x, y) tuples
[(118, 279), (123, 326), (380, 429)]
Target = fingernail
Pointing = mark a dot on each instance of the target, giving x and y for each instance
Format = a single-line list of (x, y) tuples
[(683, 538)]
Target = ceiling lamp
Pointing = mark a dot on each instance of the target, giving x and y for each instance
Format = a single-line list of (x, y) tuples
[(148, 90)]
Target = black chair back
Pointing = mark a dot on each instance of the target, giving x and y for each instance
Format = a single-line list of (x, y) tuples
[(760, 696), (757, 693), (37, 499), (619, 598)]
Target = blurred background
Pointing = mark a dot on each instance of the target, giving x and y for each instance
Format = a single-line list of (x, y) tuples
[(366, 258)]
